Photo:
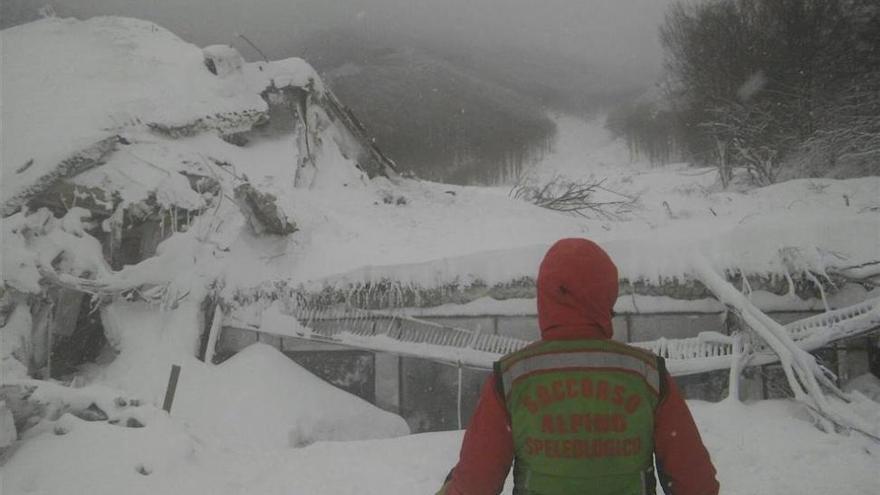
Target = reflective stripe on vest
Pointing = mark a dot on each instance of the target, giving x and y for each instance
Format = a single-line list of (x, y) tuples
[(583, 360)]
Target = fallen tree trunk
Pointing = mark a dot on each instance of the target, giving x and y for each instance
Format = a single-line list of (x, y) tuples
[(805, 377)]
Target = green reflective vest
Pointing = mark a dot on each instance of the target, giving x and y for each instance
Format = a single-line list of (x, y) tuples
[(582, 417)]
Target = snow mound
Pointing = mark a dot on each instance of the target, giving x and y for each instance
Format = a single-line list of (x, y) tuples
[(258, 399), (762, 448), (68, 84), (867, 385), (261, 399)]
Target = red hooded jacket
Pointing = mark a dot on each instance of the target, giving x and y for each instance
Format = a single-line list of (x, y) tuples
[(577, 288)]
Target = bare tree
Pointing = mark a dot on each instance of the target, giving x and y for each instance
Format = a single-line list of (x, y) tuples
[(576, 197), (759, 85)]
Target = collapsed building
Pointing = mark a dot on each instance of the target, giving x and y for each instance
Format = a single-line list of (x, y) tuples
[(95, 185), (121, 181), (144, 185)]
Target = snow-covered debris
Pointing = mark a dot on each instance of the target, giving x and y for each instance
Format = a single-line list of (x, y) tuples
[(120, 177), (40, 242), (75, 92), (223, 60), (8, 433), (290, 72), (124, 148), (69, 84), (100, 457)]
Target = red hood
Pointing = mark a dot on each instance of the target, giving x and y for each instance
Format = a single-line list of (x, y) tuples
[(577, 288)]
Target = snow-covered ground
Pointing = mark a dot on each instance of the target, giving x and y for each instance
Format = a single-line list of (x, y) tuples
[(761, 448), (259, 423)]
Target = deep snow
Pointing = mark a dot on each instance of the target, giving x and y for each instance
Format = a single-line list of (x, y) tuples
[(260, 424), (761, 448)]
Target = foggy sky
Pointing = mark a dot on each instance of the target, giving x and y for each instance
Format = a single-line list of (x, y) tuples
[(609, 33)]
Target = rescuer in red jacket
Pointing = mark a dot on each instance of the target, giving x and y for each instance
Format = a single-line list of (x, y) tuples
[(577, 413)]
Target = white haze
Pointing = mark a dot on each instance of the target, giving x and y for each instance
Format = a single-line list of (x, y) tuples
[(618, 36)]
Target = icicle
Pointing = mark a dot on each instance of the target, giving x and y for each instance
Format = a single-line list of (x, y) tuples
[(823, 268), (791, 290), (736, 362), (821, 289), (746, 286)]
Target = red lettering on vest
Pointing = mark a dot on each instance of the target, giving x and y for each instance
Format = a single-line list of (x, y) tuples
[(632, 403), (583, 448), (536, 446), (547, 424), (529, 403), (602, 423), (571, 388), (602, 390), (580, 449), (560, 425), (618, 423), (558, 393), (587, 388), (543, 395), (552, 448), (567, 448), (618, 395), (577, 422)]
